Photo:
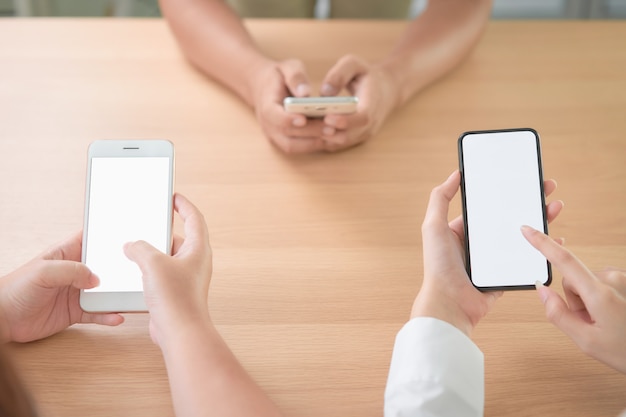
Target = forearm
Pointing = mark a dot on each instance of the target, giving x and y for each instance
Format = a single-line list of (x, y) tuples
[(206, 378), (435, 43), (215, 40)]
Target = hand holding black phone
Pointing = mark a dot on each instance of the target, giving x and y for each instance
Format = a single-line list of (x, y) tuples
[(502, 190)]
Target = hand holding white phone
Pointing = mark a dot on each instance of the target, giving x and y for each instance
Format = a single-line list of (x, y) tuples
[(128, 197)]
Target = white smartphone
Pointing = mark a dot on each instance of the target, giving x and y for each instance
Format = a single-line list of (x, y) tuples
[(321, 106), (501, 190), (129, 197)]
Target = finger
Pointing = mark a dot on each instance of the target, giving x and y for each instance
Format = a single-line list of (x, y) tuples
[(440, 197), (60, 273), (298, 120), (341, 74), (177, 243), (313, 128), (277, 120), (69, 250), (196, 230), (270, 110), (142, 253), (337, 121), (344, 140), (574, 301), (549, 186), (348, 122), (337, 144), (295, 76), (340, 144), (558, 313), (295, 146), (356, 131), (553, 209), (111, 319), (457, 226), (576, 272)]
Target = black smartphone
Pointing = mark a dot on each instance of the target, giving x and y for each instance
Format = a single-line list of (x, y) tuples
[(502, 190)]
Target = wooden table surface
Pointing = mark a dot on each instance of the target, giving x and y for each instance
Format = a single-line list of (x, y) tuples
[(317, 258)]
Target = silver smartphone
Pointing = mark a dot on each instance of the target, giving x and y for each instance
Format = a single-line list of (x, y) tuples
[(501, 190), (129, 197), (321, 106)]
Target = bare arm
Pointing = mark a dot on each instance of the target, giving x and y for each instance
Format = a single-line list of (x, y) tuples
[(215, 40), (205, 377), (435, 43), (432, 45), (207, 380)]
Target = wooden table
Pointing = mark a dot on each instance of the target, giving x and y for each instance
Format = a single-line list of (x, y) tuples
[(317, 258)]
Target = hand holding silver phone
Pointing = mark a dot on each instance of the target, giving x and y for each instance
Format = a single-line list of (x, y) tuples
[(321, 106)]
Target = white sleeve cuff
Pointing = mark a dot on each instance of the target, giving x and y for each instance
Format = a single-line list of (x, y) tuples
[(436, 370)]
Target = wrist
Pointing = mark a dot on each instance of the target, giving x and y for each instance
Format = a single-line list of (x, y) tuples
[(181, 330), (256, 76), (443, 309), (392, 83)]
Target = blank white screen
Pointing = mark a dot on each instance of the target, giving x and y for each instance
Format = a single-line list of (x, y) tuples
[(128, 201), (502, 193)]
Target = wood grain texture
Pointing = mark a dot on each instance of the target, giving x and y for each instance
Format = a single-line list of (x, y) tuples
[(317, 258)]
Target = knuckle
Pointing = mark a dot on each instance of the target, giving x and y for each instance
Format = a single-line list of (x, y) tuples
[(615, 277), (292, 66), (427, 224), (605, 297), (436, 191), (201, 217), (54, 254), (79, 268), (287, 146), (341, 123), (554, 314), (43, 268)]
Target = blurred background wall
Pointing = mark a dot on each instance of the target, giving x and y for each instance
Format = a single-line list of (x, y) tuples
[(503, 9)]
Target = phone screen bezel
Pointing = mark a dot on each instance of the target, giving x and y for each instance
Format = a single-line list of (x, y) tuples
[(464, 206)]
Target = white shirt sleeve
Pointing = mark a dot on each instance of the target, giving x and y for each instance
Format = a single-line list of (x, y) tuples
[(436, 371)]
